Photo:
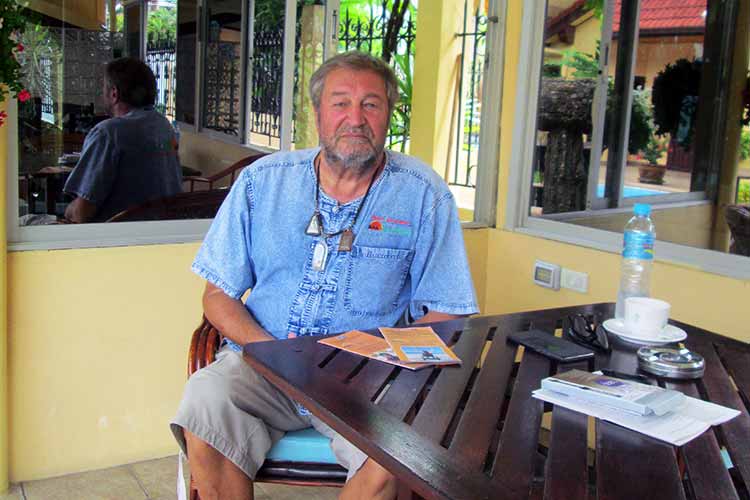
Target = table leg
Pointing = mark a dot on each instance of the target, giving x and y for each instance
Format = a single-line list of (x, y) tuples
[(51, 194)]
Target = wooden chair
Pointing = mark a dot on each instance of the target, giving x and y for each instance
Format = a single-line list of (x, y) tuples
[(195, 205), (231, 171), (204, 344), (738, 220)]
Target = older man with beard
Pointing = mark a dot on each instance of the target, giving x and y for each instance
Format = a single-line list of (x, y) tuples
[(345, 236)]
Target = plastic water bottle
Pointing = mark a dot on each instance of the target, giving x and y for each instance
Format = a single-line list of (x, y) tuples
[(637, 257)]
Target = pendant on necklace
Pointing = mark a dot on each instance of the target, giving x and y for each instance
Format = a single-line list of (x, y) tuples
[(346, 241), (314, 226), (320, 253)]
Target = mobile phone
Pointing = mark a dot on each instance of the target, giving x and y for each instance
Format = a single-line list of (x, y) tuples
[(546, 344)]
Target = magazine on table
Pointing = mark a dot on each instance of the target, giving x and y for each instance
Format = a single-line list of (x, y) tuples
[(419, 344), (369, 346)]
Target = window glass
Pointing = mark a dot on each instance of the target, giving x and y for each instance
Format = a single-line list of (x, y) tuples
[(66, 50), (637, 86), (266, 62), (222, 67), (187, 42)]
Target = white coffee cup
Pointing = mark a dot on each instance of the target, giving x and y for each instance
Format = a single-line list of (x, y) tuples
[(646, 317)]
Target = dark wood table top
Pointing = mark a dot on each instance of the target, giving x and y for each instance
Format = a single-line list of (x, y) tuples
[(474, 432)]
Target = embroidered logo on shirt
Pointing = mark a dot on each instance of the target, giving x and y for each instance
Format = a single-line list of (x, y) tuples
[(390, 225)]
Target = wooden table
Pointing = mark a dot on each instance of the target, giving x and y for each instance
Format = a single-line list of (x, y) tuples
[(54, 178), (474, 432)]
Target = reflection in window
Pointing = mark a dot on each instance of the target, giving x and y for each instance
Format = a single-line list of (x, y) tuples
[(633, 109), (187, 39), (222, 101), (65, 52)]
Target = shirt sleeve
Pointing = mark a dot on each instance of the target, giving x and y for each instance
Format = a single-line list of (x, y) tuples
[(94, 176), (440, 275), (224, 259)]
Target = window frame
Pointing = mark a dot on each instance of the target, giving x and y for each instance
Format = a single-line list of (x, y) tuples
[(521, 168)]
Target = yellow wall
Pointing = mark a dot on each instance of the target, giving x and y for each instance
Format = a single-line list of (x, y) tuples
[(707, 300), (436, 69), (4, 400), (683, 225), (97, 355)]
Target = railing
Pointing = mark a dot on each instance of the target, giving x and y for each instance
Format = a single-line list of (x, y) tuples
[(468, 97), (162, 61)]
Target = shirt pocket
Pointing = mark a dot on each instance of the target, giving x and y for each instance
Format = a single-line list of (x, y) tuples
[(375, 279)]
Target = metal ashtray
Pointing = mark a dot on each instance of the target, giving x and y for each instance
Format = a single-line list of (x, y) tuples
[(671, 363)]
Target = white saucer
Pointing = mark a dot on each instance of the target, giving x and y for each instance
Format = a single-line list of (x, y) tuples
[(669, 335)]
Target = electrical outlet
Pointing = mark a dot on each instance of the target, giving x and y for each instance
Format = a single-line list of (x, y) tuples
[(574, 280)]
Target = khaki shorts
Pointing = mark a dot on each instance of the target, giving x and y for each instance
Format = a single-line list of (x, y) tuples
[(242, 415)]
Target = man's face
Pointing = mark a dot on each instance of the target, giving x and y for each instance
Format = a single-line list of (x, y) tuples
[(109, 97), (353, 118)]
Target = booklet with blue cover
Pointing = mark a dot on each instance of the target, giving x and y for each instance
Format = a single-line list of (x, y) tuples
[(419, 345)]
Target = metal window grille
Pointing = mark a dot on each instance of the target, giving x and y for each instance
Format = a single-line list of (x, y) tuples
[(367, 35), (469, 97), (162, 59), (267, 61)]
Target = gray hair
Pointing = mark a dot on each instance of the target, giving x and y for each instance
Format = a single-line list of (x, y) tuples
[(357, 61)]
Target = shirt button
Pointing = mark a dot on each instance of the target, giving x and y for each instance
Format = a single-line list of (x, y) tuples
[(316, 288), (336, 209)]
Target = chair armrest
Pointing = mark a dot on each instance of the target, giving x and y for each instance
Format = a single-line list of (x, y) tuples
[(203, 346), (195, 178)]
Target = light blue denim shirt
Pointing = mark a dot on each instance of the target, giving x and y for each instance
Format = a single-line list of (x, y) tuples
[(408, 249)]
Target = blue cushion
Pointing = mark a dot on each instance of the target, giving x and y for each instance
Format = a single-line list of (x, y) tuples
[(307, 445)]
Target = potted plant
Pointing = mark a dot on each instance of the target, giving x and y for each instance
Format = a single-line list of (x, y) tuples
[(652, 172)]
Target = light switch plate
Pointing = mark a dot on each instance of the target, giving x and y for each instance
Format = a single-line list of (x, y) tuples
[(574, 280), (547, 275)]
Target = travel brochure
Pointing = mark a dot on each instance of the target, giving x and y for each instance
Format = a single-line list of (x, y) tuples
[(410, 348)]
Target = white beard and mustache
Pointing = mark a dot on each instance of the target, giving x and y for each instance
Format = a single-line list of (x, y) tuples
[(358, 159)]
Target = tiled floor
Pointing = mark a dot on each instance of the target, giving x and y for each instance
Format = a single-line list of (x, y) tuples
[(151, 480)]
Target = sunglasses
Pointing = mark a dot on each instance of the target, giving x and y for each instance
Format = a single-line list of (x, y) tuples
[(592, 335)]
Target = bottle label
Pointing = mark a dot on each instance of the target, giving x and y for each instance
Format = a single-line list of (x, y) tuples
[(638, 246)]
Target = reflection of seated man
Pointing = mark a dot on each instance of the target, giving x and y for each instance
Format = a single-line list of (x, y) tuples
[(130, 158)]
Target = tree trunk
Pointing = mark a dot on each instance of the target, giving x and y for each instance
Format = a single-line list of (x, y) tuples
[(565, 175), (395, 22)]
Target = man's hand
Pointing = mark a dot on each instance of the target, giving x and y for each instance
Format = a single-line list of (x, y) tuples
[(80, 210), (231, 317)]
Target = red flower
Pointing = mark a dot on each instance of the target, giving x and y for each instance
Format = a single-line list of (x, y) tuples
[(24, 95), (19, 47), (3, 114)]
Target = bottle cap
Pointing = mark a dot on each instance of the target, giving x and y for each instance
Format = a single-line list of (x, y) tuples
[(642, 209)]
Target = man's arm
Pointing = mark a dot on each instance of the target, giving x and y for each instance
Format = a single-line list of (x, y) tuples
[(433, 316), (231, 317), (80, 210)]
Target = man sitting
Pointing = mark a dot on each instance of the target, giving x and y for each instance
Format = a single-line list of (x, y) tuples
[(345, 236), (129, 158)]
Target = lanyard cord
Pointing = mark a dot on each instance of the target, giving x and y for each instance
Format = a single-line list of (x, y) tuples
[(359, 208)]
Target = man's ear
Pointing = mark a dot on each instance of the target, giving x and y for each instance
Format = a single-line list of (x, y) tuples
[(114, 94)]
